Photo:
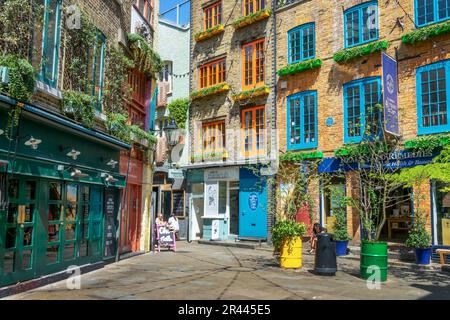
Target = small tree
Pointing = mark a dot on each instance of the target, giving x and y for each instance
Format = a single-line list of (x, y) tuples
[(340, 229)]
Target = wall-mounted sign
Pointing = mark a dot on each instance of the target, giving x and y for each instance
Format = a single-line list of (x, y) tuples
[(222, 174), (390, 96), (211, 199), (329, 122), (215, 229), (253, 201), (176, 174), (110, 223)]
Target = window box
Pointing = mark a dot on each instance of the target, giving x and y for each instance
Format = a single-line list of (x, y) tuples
[(345, 55), (209, 33), (249, 94), (300, 156), (426, 33), (222, 87), (252, 18), (299, 67), (428, 142)]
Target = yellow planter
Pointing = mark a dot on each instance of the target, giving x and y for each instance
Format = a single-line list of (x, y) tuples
[(291, 254), (209, 33)]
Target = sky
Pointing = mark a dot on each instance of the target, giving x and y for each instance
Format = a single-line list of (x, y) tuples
[(165, 5)]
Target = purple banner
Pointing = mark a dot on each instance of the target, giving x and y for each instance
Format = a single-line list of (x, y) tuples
[(390, 96)]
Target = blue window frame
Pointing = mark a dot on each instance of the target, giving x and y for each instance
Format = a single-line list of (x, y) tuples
[(302, 120), (97, 70), (431, 11), (301, 43), (433, 89), (50, 42), (361, 118), (361, 24)]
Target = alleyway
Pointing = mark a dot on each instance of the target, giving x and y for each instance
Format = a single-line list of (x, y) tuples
[(211, 272)]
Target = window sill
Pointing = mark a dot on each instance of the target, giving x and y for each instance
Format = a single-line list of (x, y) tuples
[(45, 88)]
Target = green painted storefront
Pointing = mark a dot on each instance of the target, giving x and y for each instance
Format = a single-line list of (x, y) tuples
[(50, 220)]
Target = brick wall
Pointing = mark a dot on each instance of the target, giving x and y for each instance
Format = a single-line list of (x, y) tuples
[(228, 44)]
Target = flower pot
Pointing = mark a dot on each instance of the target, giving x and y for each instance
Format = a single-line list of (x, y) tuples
[(291, 254), (341, 247), (423, 256), (374, 258)]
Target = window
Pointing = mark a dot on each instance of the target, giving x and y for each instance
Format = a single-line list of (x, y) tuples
[(139, 85), (212, 15), (433, 86), (361, 117), (50, 42), (212, 73), (213, 137), (302, 121), (145, 8), (431, 11), (253, 57), (97, 70), (252, 6), (361, 24), (253, 131), (165, 77), (301, 43)]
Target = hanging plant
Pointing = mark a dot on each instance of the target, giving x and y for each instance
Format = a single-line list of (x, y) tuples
[(145, 58), (13, 121), (21, 78), (346, 55), (300, 67), (79, 106)]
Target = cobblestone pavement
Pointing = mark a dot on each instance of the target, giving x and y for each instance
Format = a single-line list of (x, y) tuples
[(203, 272)]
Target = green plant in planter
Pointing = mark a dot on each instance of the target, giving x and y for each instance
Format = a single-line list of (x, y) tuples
[(418, 236), (79, 106), (116, 123), (286, 230), (340, 229), (22, 78)]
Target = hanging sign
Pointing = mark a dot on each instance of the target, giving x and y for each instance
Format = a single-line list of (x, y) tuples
[(390, 97)]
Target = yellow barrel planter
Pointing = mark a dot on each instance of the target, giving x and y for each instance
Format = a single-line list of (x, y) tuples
[(291, 254)]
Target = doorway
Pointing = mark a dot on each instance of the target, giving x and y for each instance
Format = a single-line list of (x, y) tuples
[(234, 208)]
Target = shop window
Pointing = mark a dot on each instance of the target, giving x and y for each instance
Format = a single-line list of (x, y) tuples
[(433, 98), (178, 203), (222, 197), (361, 24), (51, 42), (253, 57), (302, 120), (252, 6), (301, 43), (213, 137), (362, 118), (443, 215), (212, 15), (431, 11), (96, 70), (253, 131), (212, 73)]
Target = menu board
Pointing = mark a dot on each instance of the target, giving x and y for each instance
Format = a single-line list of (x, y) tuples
[(110, 223)]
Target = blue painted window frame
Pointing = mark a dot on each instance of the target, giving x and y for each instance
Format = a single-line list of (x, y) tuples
[(435, 19), (52, 82), (302, 144), (94, 81), (300, 31), (360, 9), (360, 83), (445, 64)]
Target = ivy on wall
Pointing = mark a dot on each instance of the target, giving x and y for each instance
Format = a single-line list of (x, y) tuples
[(426, 33), (346, 55), (145, 58), (79, 106), (178, 110), (21, 77)]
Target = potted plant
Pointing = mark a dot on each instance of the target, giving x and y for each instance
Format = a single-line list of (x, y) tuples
[(340, 230), (287, 240), (420, 239)]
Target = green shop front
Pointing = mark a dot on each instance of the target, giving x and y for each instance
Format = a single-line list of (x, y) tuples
[(59, 194)]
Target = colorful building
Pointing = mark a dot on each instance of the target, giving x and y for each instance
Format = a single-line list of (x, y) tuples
[(330, 70), (231, 119)]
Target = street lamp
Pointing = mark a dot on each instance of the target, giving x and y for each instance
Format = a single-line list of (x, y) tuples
[(172, 133)]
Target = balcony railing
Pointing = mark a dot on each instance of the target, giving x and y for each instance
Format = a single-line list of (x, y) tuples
[(284, 3)]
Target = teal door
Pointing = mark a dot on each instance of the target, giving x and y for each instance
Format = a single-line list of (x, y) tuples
[(18, 232), (252, 205)]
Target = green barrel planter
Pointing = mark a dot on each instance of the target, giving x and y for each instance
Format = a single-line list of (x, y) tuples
[(374, 254)]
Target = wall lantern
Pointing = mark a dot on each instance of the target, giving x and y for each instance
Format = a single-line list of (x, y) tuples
[(109, 178), (112, 163), (33, 143), (78, 174), (172, 133), (74, 154)]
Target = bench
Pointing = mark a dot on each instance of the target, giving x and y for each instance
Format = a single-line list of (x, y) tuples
[(259, 240), (442, 253)]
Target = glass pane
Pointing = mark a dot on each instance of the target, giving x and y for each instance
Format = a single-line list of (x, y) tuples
[(72, 193), (55, 191), (84, 248), (52, 254), (85, 194), (12, 213), (85, 231), (10, 238), (29, 213), (51, 40), (222, 197), (71, 212), (69, 251), (28, 236), (96, 211), (85, 209), (13, 189), (27, 259), (96, 230), (54, 212), (70, 232), (8, 262), (30, 190), (53, 233)]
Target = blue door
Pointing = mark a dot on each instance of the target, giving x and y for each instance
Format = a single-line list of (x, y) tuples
[(252, 205)]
